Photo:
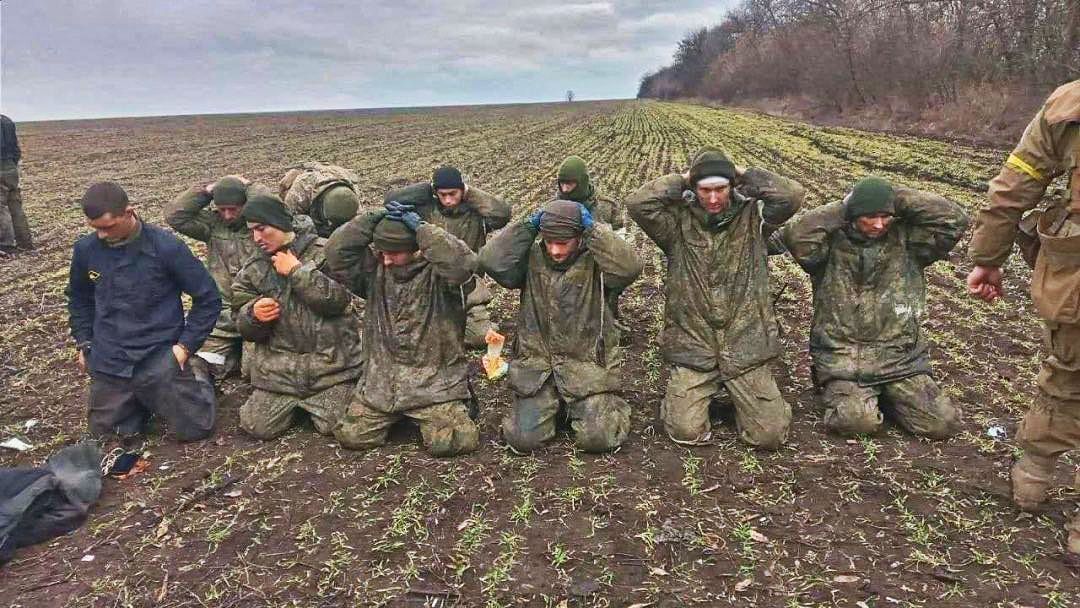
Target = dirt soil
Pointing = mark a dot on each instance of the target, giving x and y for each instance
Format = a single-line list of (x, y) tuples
[(879, 521)]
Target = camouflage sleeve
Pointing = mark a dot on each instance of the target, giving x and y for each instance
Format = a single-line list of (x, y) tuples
[(244, 296), (495, 211), (348, 252), (615, 257), (935, 224), (612, 211), (1018, 188), (651, 206), (299, 197), (188, 215), (780, 197), (286, 182), (452, 259), (807, 237), (505, 258), (324, 295)]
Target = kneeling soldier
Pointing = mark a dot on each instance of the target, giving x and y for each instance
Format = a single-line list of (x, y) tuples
[(865, 256), (128, 321), (566, 347), (414, 277), (307, 352)]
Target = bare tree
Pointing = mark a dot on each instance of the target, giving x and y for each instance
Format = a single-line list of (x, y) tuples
[(570, 96)]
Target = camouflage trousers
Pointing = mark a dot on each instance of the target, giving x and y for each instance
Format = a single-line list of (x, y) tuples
[(14, 227), (762, 417), (183, 397), (222, 353), (915, 403), (266, 415), (599, 422), (478, 320), (446, 428), (1052, 426)]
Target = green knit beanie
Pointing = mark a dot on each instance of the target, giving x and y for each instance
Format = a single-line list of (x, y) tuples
[(871, 195), (573, 169), (265, 208), (229, 191), (339, 204), (711, 162), (394, 236)]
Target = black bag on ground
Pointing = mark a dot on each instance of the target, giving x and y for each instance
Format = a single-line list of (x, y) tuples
[(43, 503)]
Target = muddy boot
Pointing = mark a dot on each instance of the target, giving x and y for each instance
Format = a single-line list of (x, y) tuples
[(477, 326), (1031, 478)]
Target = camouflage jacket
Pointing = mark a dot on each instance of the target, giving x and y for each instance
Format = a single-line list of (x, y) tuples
[(477, 215), (228, 246), (315, 344), (414, 319), (303, 185), (718, 312), (870, 295), (565, 324)]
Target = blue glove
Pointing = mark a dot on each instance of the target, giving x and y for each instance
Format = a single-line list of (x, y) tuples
[(586, 217), (534, 219), (395, 209), (411, 219)]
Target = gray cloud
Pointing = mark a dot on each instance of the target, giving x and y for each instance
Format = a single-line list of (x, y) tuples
[(84, 58)]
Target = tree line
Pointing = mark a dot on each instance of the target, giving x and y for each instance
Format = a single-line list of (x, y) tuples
[(854, 53)]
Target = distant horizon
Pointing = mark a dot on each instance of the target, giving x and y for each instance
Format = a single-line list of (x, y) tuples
[(311, 110), (106, 59)]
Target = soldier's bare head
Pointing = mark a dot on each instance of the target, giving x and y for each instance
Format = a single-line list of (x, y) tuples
[(109, 212)]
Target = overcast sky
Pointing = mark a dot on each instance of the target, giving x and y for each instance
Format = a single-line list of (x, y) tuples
[(96, 58)]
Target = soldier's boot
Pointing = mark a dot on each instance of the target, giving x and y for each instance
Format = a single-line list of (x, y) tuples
[(477, 326), (1031, 479)]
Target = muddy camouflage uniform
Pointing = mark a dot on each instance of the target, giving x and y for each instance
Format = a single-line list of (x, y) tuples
[(413, 326), (566, 348), (302, 186), (14, 227), (228, 246), (307, 359), (478, 214), (869, 301), (1050, 147), (719, 325)]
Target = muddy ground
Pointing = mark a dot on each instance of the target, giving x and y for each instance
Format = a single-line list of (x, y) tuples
[(879, 521)]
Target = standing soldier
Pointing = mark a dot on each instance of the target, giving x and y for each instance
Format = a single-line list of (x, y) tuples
[(326, 193), (414, 276), (306, 353), (574, 184), (566, 351), (865, 256), (128, 321), (468, 213), (229, 245), (14, 229), (719, 325), (1049, 147)]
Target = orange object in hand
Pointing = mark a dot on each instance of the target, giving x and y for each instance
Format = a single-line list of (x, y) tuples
[(493, 362)]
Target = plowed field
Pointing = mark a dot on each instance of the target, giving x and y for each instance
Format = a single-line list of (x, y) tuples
[(880, 521)]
